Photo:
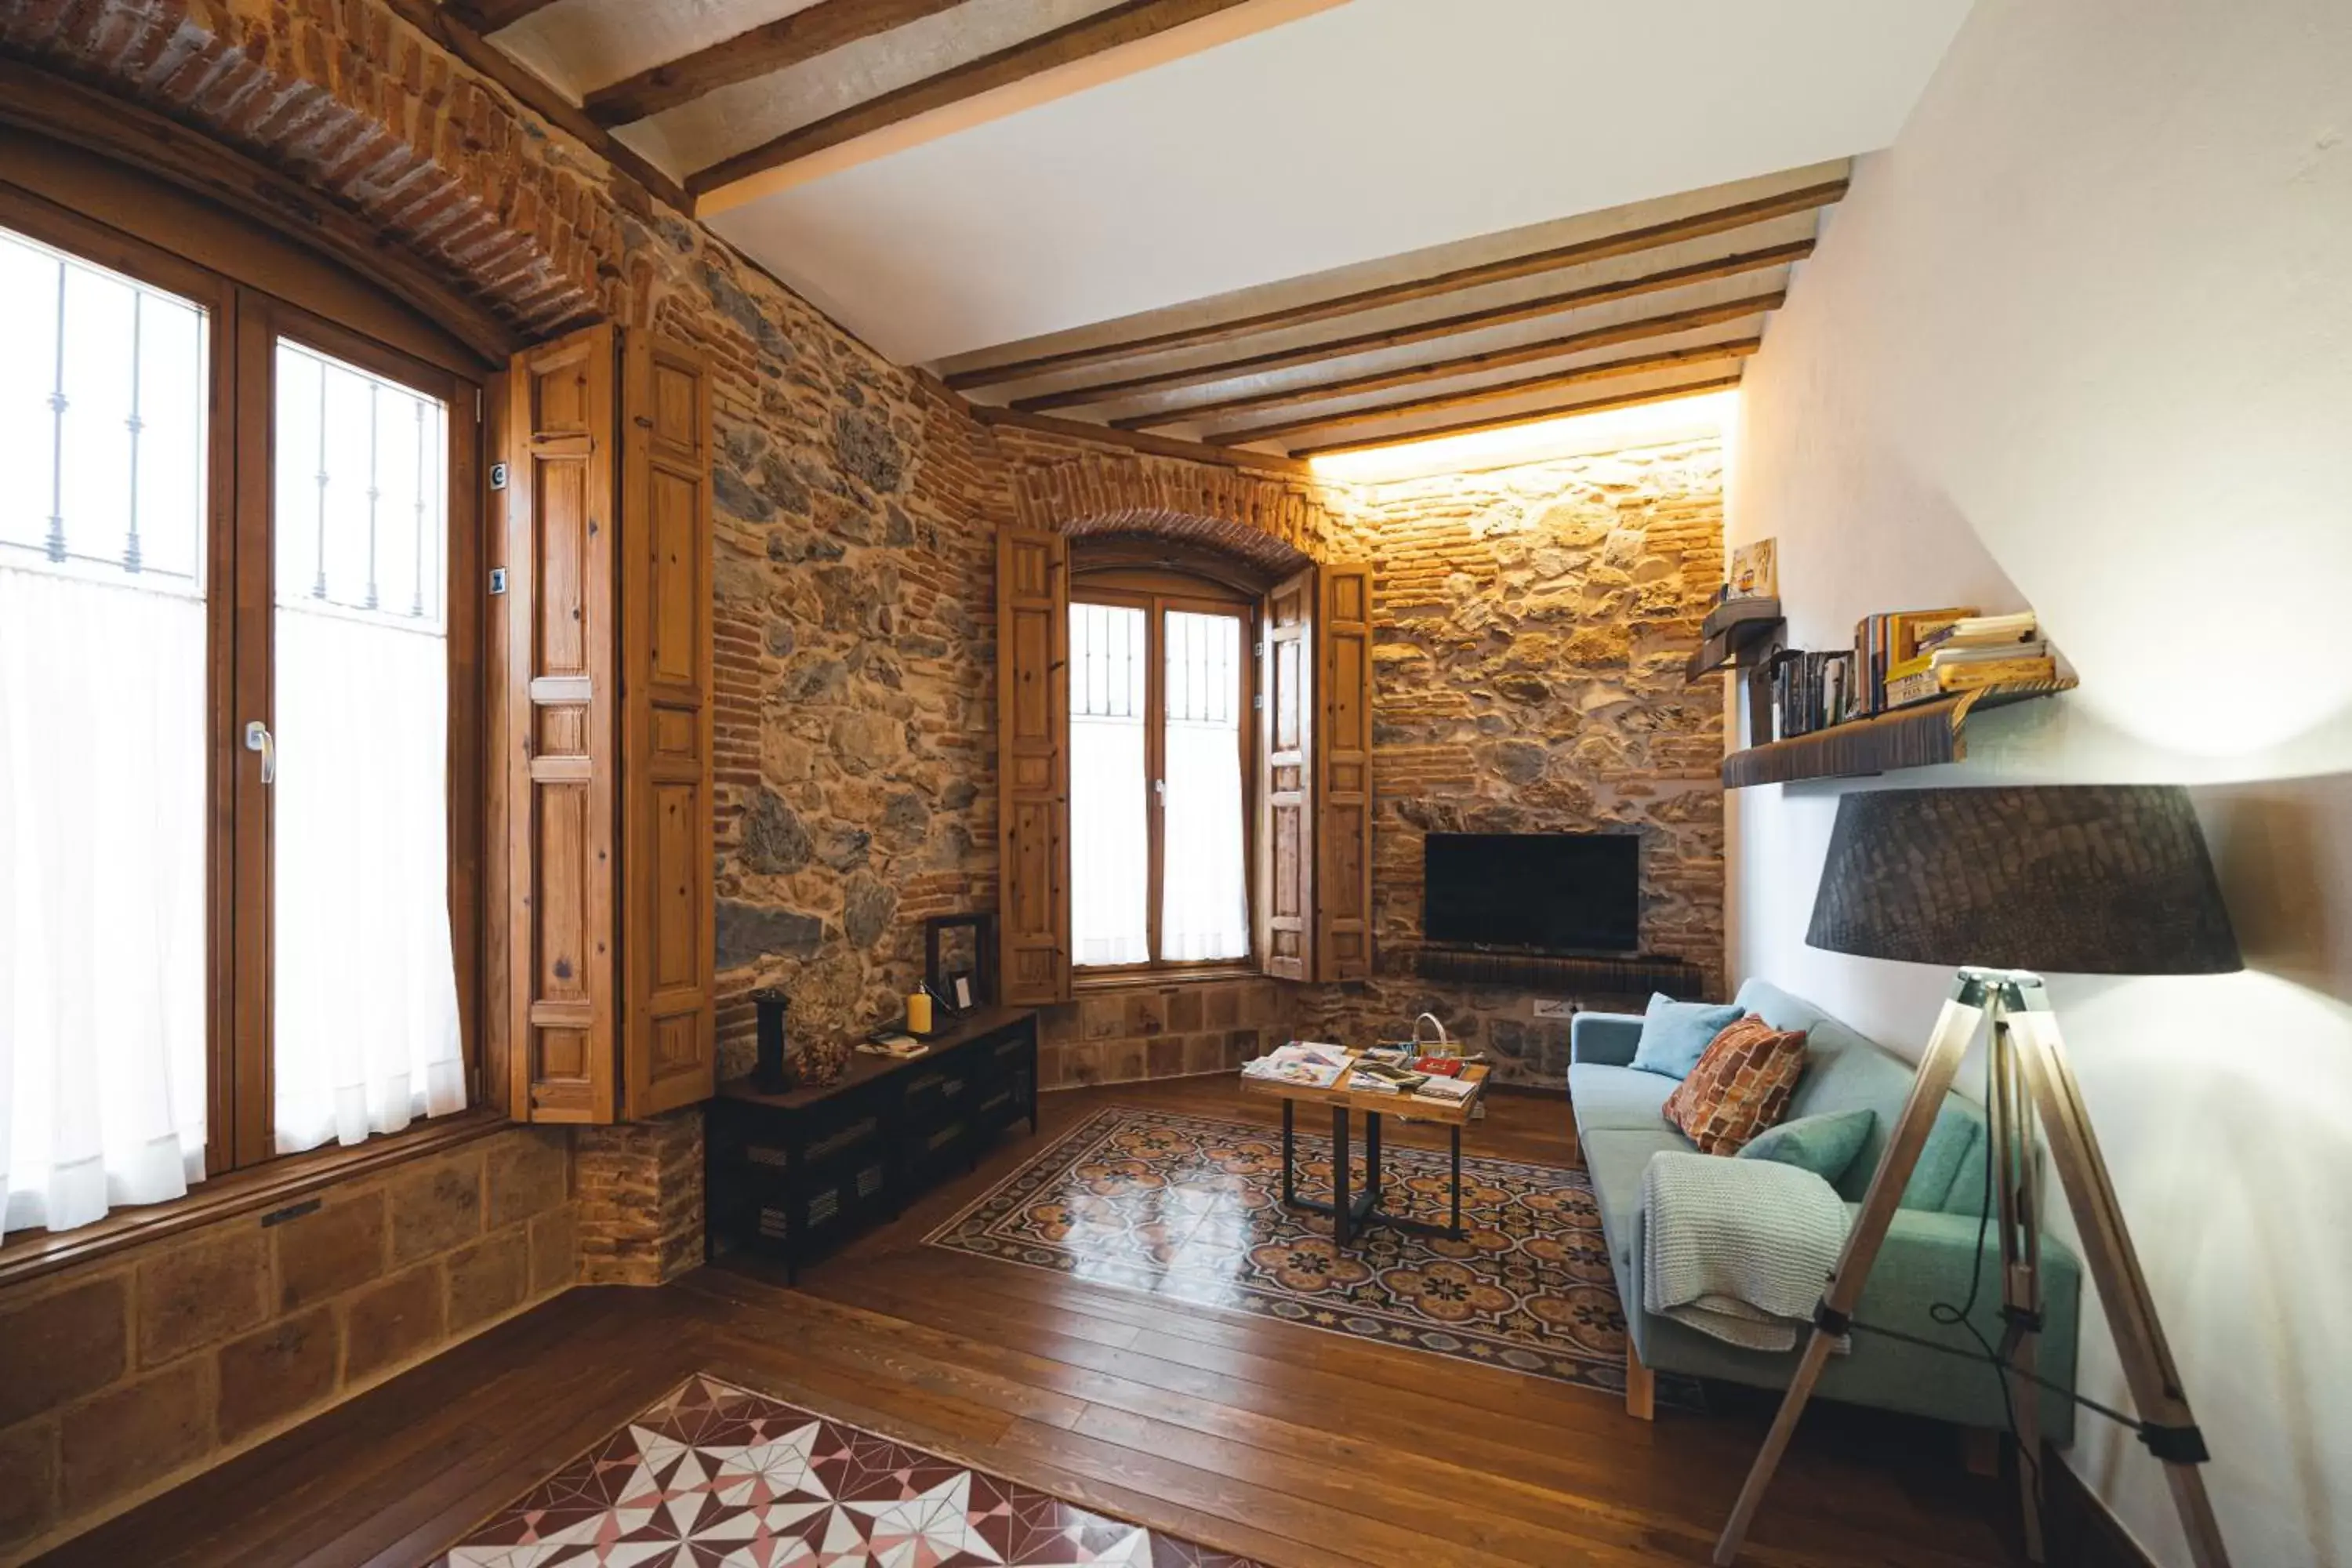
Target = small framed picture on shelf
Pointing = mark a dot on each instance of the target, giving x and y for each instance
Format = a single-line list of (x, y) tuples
[(1756, 571), (962, 996)]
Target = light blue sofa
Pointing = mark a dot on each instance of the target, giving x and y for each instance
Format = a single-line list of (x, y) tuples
[(1927, 1254)]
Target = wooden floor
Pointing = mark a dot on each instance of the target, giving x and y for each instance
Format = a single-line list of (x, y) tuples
[(1301, 1448)]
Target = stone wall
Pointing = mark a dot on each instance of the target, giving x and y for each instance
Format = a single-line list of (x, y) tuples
[(1132, 1033), (129, 1374), (1530, 628)]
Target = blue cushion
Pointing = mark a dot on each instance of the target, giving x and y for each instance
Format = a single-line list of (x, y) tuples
[(1675, 1035), (1824, 1145)]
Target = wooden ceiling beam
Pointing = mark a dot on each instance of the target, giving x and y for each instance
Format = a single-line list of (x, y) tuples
[(1135, 441), (1422, 331), (1635, 365), (445, 25), (827, 25), (1525, 417), (1650, 236), (487, 17), (1126, 23), (1672, 321)]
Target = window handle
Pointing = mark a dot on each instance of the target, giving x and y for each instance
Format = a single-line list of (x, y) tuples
[(258, 738)]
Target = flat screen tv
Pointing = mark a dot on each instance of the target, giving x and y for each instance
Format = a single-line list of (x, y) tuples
[(1549, 892)]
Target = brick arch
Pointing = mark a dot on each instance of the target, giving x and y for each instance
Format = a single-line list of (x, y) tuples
[(1274, 523), (445, 167)]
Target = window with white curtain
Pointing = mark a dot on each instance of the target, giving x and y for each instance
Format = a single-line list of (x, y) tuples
[(364, 1033), (103, 585), (166, 633), (1158, 825)]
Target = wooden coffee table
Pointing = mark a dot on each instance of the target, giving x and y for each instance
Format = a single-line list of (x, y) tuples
[(1349, 1212)]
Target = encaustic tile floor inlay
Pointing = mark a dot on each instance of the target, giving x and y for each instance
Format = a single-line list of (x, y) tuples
[(714, 1476), (1191, 1208)]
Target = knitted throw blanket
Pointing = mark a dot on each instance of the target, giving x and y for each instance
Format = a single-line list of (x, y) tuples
[(1738, 1248)]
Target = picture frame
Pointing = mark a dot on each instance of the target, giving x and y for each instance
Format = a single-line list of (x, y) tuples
[(961, 945), (962, 996), (1755, 570)]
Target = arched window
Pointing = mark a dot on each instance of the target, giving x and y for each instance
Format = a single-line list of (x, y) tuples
[(1184, 751), (1160, 689)]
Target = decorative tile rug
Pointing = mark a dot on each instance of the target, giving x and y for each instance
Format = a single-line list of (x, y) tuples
[(713, 1476), (1191, 1208)]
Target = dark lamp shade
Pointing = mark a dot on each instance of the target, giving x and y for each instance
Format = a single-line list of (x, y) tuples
[(2072, 879)]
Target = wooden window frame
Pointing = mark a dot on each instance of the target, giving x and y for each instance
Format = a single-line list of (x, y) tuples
[(159, 236), (1156, 592)]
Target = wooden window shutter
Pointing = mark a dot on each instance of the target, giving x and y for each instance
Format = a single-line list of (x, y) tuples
[(561, 745), (1343, 772), (608, 728), (1032, 731), (669, 1021), (1287, 866)]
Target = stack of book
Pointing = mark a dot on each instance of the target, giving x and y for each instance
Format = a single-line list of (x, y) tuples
[(1968, 652), (1885, 641), (1378, 1076)]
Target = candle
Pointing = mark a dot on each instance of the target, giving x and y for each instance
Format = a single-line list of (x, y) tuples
[(919, 1012)]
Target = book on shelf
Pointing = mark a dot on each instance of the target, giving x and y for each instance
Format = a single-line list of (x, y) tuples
[(1983, 631), (1949, 658), (1809, 690), (1968, 675), (1883, 641)]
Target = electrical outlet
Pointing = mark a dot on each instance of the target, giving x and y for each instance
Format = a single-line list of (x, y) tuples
[(1554, 1009)]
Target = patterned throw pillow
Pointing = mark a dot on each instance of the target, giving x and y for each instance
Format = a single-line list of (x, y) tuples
[(1740, 1086)]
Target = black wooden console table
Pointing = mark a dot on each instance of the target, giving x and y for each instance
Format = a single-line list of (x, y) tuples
[(792, 1173)]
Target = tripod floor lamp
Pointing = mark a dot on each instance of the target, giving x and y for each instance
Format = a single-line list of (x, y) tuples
[(2093, 879)]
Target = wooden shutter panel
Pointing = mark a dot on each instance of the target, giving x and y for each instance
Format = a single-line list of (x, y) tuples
[(1032, 731), (669, 1034), (562, 747), (1343, 769), (1285, 902)]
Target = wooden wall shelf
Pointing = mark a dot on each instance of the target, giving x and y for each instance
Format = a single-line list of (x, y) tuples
[(1920, 736), (1735, 634)]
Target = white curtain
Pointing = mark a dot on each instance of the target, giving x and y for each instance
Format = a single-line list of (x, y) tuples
[(103, 944), (366, 1008), (1205, 905), (1110, 849), (366, 1002)]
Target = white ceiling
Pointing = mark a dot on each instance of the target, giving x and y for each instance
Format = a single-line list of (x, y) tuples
[(1370, 128)]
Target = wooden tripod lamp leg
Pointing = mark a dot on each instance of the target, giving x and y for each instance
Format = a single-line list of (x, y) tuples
[(2010, 1156), (1954, 1028), (2113, 1265)]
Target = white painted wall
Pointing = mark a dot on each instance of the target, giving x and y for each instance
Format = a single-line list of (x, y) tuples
[(2081, 338)]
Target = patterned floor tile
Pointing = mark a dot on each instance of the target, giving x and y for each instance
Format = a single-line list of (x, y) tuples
[(714, 1476), (1189, 1207)]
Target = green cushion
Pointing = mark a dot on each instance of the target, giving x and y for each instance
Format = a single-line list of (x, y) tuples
[(1617, 1098), (1675, 1035), (1824, 1145), (1958, 1134), (1967, 1193)]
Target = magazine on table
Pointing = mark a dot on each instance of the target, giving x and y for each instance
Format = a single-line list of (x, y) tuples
[(1304, 1062), (1384, 1077)]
